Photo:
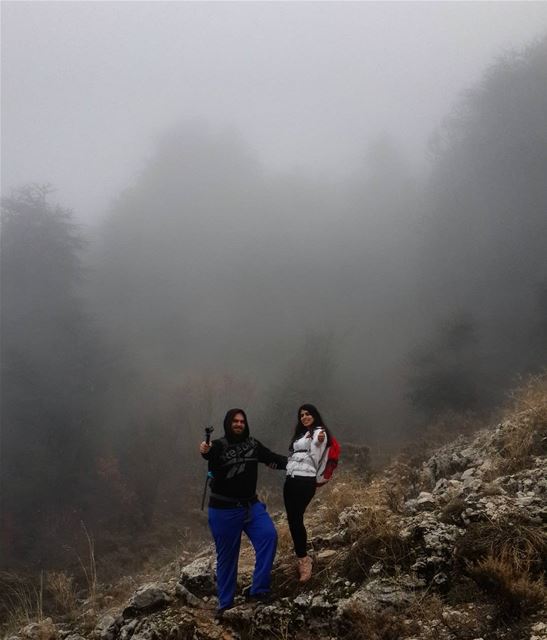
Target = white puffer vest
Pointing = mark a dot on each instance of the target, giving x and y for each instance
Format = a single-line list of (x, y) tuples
[(307, 455)]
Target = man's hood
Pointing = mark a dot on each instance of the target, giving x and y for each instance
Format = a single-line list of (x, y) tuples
[(231, 437)]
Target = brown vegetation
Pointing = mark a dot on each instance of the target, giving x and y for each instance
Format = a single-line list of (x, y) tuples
[(22, 599), (497, 566), (519, 541), (63, 592), (364, 623), (507, 560), (375, 539), (452, 511), (516, 591), (526, 434)]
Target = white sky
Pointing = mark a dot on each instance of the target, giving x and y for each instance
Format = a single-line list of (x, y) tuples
[(87, 86)]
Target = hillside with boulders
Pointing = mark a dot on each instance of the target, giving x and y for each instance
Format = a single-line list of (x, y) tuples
[(452, 546)]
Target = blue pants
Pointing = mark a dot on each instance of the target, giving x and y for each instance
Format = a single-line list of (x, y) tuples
[(226, 526)]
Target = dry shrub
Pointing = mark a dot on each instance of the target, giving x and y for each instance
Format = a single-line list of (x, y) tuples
[(506, 559), (452, 511), (427, 618), (519, 541), (89, 567), (436, 619), (375, 538), (463, 623), (419, 619), (463, 590), (525, 432), (531, 396), (41, 630), (402, 481), (284, 574), (364, 623), (284, 539), (346, 490), (516, 592), (426, 607), (388, 491), (22, 600), (60, 586), (491, 489)]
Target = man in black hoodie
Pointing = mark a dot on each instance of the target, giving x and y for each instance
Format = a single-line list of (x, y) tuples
[(234, 507)]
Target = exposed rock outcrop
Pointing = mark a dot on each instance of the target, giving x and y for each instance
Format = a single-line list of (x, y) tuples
[(452, 550)]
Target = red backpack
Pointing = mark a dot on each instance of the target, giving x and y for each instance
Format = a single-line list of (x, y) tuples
[(331, 455)]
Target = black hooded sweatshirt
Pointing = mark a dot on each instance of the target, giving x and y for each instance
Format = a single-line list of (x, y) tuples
[(233, 463)]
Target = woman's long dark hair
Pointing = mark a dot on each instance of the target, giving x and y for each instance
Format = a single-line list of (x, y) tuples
[(318, 421)]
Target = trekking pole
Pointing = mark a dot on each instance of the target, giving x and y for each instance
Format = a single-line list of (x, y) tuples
[(208, 432)]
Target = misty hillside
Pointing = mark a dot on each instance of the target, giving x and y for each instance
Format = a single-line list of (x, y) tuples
[(445, 543), (389, 300), (208, 205)]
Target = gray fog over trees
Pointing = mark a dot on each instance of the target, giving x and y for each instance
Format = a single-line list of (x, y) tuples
[(388, 297)]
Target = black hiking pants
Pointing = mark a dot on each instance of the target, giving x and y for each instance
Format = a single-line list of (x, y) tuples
[(297, 494)]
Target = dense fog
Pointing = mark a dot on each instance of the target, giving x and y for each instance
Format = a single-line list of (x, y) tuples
[(407, 284)]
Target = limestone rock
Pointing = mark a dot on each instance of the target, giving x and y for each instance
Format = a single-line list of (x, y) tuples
[(539, 631), (187, 596), (199, 577), (425, 501), (44, 630), (349, 516), (326, 554), (148, 597), (127, 630), (107, 627)]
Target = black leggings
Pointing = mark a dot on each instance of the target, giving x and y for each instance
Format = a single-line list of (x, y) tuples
[(297, 494)]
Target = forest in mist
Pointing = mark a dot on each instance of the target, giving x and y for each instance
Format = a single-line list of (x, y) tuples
[(386, 299)]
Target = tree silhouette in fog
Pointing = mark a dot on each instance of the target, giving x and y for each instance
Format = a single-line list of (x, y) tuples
[(308, 377), (443, 374), (48, 368), (488, 200)]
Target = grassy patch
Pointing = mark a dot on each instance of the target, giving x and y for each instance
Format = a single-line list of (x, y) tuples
[(375, 538), (22, 600), (507, 561), (522, 542), (516, 591), (525, 432), (364, 623), (452, 511)]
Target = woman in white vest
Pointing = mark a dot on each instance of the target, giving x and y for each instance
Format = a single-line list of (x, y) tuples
[(306, 457)]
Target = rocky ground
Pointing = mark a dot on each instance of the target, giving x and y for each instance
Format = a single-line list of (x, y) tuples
[(453, 549)]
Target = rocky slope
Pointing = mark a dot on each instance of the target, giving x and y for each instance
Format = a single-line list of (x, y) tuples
[(453, 549)]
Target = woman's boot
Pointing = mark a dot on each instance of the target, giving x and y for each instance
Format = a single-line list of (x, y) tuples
[(304, 568)]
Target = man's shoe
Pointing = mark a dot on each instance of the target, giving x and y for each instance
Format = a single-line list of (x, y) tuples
[(304, 568), (256, 597), (246, 592), (219, 615)]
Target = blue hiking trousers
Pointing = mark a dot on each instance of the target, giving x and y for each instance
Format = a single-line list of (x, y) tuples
[(226, 526)]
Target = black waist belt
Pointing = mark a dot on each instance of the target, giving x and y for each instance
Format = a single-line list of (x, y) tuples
[(245, 503), (237, 502)]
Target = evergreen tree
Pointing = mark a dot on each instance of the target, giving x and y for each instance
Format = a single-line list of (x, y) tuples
[(444, 372), (48, 369), (485, 248)]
